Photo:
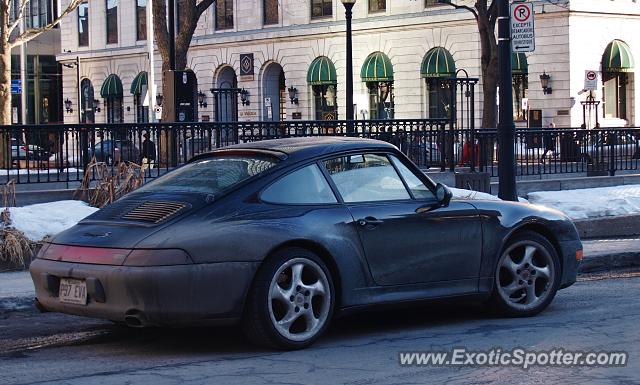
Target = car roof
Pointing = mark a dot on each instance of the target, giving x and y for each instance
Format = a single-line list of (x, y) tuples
[(309, 147)]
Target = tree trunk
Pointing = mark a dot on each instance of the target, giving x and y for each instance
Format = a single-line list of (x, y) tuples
[(5, 101), (489, 66)]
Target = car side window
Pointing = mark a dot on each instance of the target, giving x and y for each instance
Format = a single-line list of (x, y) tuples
[(304, 186), (366, 178), (418, 189)]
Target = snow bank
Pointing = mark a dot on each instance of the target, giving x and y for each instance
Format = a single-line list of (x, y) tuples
[(459, 193), (48, 219), (592, 202)]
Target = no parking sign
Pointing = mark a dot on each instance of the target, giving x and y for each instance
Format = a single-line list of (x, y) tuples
[(523, 38)]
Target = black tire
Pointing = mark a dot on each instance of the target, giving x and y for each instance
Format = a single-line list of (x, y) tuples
[(546, 252), (257, 322)]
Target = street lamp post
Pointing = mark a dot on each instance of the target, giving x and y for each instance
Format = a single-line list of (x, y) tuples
[(506, 127), (348, 6)]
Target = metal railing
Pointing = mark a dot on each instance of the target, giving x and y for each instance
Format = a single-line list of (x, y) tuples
[(60, 153)]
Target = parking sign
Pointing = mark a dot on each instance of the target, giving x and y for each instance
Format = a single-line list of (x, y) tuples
[(523, 37)]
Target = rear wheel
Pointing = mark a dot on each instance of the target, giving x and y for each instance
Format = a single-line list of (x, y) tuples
[(527, 276), (291, 302)]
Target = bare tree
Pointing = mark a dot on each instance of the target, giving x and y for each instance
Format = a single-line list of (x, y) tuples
[(486, 15), (12, 13), (189, 14)]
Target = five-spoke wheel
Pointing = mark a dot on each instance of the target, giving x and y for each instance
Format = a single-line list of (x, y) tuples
[(526, 277), (291, 301)]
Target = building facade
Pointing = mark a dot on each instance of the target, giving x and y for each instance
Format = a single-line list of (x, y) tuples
[(285, 60), (43, 72)]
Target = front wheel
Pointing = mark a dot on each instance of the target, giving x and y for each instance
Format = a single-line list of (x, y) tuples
[(291, 302), (527, 276)]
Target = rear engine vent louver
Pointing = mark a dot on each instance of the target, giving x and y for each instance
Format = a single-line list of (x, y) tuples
[(154, 212)]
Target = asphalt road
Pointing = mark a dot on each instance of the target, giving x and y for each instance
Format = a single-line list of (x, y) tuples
[(599, 314)]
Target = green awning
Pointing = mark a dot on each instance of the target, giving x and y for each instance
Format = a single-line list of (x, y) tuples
[(617, 57), (377, 68), (438, 63), (139, 82), (519, 64), (111, 87), (321, 72)]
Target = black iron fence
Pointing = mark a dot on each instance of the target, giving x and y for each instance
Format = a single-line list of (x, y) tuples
[(60, 153)]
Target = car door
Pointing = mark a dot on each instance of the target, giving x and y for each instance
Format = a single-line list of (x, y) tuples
[(407, 235)]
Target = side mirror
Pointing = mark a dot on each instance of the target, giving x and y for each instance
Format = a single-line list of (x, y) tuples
[(443, 194)]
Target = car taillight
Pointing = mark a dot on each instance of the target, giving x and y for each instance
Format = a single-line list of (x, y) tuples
[(82, 254), (112, 256), (157, 257)]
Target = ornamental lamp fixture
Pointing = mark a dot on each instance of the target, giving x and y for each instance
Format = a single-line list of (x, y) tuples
[(293, 92), (244, 97), (202, 99), (544, 81), (67, 106), (96, 105)]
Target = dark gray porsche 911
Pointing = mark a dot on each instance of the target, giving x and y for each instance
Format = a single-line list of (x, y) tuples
[(282, 235)]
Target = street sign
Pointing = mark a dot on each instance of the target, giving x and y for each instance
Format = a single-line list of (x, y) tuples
[(523, 37), (590, 80), (16, 86)]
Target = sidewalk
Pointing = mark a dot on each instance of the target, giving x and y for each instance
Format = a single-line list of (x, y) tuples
[(17, 291)]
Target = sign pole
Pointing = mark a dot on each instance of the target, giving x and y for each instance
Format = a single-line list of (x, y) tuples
[(506, 127), (151, 81)]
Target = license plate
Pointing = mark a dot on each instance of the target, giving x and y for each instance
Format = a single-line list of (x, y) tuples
[(73, 291)]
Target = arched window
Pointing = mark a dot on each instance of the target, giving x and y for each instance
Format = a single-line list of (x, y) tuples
[(520, 84), (377, 73), (140, 96), (617, 75), (111, 91), (437, 67), (87, 115), (323, 80)]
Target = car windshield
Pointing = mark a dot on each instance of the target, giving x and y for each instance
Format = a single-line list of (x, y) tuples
[(212, 175)]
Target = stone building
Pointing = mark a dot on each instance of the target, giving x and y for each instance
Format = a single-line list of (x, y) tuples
[(402, 51)]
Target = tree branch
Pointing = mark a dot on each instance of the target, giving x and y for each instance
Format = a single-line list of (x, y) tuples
[(19, 16), (32, 33), (203, 5), (458, 6)]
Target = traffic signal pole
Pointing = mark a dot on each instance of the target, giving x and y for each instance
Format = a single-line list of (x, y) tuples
[(506, 126)]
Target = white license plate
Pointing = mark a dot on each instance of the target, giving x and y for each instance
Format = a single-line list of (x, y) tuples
[(73, 291)]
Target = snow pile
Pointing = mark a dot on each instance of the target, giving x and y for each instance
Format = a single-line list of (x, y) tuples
[(48, 219), (459, 193), (593, 202), (35, 171)]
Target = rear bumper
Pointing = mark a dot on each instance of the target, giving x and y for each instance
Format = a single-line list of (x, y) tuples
[(158, 295), (569, 263)]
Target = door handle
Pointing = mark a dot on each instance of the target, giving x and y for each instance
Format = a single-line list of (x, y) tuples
[(369, 221)]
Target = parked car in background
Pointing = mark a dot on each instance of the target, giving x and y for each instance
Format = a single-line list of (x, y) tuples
[(111, 150), (21, 151), (598, 149)]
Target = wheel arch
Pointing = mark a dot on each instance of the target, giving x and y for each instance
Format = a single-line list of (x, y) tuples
[(323, 254), (539, 229)]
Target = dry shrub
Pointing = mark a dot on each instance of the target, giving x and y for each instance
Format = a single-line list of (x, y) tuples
[(16, 249), (109, 183)]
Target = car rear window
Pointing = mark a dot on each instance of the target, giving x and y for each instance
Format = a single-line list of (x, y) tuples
[(212, 175)]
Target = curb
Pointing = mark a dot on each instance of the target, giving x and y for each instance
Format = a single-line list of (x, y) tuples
[(609, 262), (609, 227)]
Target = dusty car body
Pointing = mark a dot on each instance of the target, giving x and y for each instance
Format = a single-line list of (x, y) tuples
[(356, 216)]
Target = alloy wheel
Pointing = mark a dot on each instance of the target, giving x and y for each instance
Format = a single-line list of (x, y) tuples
[(525, 275), (299, 299)]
